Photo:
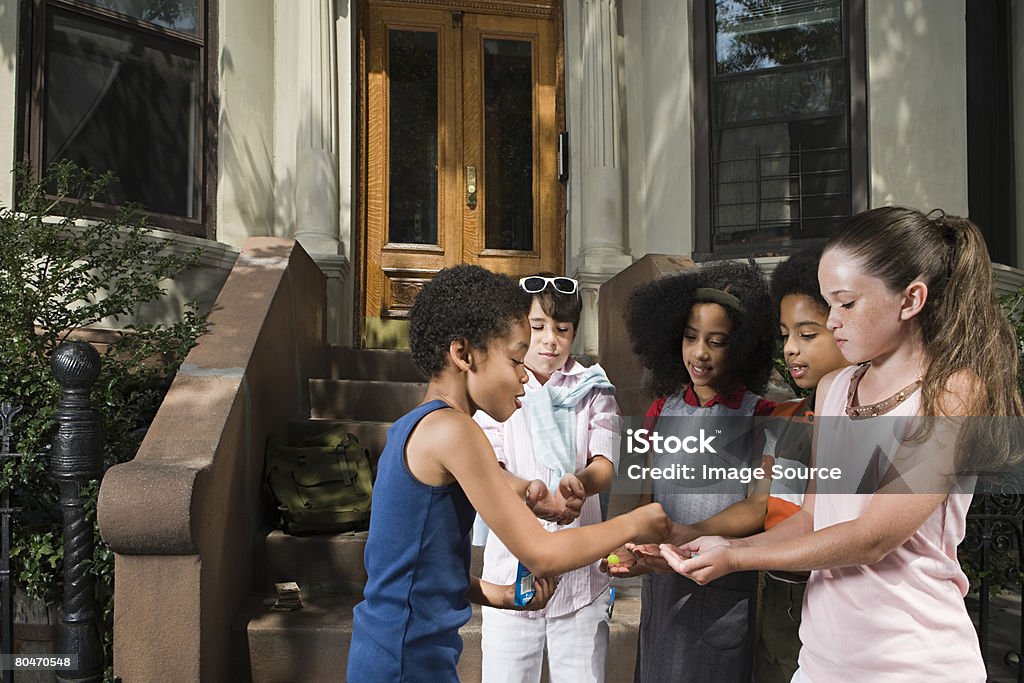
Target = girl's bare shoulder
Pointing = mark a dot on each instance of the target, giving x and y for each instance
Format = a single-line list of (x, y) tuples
[(964, 390), (824, 384)]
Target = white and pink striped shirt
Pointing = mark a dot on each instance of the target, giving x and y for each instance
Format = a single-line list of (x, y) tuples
[(597, 433)]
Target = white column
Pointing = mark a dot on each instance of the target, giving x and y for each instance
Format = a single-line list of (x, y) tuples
[(601, 253), (9, 112), (316, 182)]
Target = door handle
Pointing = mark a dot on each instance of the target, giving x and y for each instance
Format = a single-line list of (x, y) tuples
[(471, 187)]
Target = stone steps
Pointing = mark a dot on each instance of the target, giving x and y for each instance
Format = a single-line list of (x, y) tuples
[(321, 564), (373, 364), (363, 400), (311, 644)]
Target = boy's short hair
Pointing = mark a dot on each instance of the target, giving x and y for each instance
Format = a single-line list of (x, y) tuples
[(563, 308), (464, 302), (799, 275)]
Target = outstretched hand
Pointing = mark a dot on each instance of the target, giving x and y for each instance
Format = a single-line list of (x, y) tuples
[(703, 560), (543, 504), (626, 566), (635, 560), (570, 497), (563, 505)]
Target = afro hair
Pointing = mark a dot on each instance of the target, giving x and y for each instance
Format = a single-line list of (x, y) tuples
[(799, 275), (464, 302), (656, 314)]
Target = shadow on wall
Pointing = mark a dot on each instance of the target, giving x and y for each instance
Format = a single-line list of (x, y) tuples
[(910, 114), (665, 119), (8, 34), (200, 284), (307, 193), (246, 193), (262, 200)]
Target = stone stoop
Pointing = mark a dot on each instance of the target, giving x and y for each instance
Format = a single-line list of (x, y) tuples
[(311, 644), (363, 400)]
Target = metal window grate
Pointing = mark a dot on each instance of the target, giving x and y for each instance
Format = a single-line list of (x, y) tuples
[(751, 194)]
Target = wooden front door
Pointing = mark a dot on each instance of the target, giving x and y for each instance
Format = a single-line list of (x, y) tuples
[(461, 123)]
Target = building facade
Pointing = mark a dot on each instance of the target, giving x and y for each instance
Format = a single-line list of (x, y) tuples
[(392, 138)]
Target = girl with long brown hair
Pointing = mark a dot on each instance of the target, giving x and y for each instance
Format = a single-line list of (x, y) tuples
[(912, 306)]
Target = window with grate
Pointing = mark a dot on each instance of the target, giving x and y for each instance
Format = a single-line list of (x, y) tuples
[(783, 159), (123, 86)]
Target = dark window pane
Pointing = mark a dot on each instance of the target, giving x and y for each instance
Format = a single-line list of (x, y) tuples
[(413, 122), (179, 15), (780, 148), (781, 94), (778, 182), (755, 34), (508, 144), (115, 101)]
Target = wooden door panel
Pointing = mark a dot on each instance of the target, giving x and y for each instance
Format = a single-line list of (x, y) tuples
[(418, 140), (400, 258), (484, 38)]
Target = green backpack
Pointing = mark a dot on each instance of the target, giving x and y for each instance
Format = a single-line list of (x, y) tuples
[(323, 485)]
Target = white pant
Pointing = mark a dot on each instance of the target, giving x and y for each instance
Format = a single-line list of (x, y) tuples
[(577, 644)]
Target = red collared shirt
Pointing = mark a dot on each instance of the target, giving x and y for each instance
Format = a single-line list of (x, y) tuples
[(730, 398)]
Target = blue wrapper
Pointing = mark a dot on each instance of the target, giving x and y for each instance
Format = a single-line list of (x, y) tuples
[(524, 586)]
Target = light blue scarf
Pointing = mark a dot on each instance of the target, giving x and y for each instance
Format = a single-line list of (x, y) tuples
[(551, 411)]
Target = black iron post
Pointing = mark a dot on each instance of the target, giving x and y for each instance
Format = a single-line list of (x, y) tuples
[(7, 413), (75, 459)]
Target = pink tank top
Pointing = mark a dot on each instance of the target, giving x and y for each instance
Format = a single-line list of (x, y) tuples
[(903, 618)]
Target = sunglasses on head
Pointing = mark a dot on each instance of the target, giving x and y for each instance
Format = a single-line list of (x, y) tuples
[(538, 283)]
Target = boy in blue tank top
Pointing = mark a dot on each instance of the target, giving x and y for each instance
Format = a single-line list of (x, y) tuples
[(469, 334)]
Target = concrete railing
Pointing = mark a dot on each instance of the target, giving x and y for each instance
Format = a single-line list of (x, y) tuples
[(183, 516)]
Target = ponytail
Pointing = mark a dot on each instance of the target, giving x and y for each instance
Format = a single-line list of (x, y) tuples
[(962, 325)]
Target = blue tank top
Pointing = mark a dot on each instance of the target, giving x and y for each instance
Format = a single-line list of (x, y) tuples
[(417, 564)]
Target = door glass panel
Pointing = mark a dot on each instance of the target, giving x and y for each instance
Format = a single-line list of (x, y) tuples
[(508, 144), (412, 144)]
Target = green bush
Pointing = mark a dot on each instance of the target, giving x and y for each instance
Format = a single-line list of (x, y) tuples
[(60, 273)]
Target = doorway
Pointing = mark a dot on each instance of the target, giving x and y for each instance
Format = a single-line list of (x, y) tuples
[(459, 130)]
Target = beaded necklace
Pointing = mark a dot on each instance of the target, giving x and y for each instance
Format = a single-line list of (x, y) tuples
[(883, 406)]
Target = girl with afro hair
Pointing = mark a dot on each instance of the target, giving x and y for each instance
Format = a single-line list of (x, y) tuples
[(810, 353), (706, 338)]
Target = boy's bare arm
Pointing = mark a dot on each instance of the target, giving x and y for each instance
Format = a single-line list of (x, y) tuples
[(538, 498), (597, 475), (503, 597), (518, 484), (456, 444)]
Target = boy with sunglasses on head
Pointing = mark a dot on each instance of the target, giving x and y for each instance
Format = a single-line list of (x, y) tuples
[(563, 447)]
